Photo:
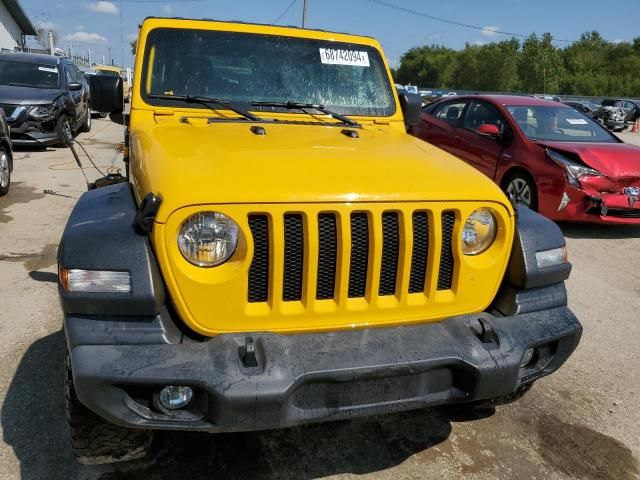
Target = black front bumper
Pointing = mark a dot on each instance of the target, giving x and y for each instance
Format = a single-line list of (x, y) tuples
[(33, 133), (307, 378)]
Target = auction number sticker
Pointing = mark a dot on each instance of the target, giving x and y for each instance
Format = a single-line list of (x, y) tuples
[(577, 121), (48, 69), (336, 56)]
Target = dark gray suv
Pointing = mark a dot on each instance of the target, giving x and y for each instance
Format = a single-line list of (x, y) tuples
[(40, 95)]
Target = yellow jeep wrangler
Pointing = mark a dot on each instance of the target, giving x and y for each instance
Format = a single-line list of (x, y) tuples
[(283, 252)]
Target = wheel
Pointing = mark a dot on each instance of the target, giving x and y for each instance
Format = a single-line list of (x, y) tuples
[(63, 129), (522, 188), (96, 441), (5, 172), (86, 125)]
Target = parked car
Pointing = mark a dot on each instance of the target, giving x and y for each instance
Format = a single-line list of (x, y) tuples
[(587, 108), (6, 155), (279, 258), (41, 95), (548, 156), (631, 107)]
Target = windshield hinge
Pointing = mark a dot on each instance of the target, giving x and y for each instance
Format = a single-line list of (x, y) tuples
[(146, 213)]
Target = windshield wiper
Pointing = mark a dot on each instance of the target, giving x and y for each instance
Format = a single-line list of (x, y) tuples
[(207, 101), (304, 106)]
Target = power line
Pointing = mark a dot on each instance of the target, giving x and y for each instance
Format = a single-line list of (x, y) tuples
[(453, 22), (285, 11)]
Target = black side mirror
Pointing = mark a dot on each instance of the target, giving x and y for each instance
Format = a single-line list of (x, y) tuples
[(411, 104), (75, 86), (106, 94)]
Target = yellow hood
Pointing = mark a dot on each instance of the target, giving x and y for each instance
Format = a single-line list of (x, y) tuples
[(227, 163)]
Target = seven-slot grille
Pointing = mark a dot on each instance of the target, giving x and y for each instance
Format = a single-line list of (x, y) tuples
[(358, 263)]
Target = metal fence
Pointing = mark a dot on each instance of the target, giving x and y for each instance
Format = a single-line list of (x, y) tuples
[(80, 61)]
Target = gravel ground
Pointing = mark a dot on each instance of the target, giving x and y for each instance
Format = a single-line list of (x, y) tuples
[(581, 422)]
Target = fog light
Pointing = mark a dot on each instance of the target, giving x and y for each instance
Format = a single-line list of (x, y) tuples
[(527, 357), (173, 397), (551, 258)]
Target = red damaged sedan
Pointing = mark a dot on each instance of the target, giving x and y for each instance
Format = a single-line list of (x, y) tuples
[(544, 154)]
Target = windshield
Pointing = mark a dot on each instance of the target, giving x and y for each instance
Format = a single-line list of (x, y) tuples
[(558, 124), (243, 68), (26, 74)]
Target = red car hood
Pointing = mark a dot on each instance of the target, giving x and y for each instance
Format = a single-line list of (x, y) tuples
[(615, 160)]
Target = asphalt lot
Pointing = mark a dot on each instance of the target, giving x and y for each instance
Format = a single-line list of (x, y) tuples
[(582, 422)]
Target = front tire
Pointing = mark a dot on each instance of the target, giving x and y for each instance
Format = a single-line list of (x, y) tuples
[(63, 128), (95, 441), (5, 172), (86, 125), (522, 188)]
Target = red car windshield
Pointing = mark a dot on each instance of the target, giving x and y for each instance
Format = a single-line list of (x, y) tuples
[(558, 124)]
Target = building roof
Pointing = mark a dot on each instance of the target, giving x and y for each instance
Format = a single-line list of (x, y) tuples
[(20, 17)]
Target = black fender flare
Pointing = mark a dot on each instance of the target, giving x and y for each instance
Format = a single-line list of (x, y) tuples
[(100, 235)]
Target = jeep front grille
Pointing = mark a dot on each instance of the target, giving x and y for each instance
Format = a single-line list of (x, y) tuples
[(331, 264)]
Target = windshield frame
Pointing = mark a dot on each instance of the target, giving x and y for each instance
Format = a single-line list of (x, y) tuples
[(35, 65), (579, 115), (144, 64)]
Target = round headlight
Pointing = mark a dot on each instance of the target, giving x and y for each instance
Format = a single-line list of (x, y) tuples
[(479, 231), (207, 239)]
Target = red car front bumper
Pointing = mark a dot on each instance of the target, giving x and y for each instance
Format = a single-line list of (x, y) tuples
[(592, 207)]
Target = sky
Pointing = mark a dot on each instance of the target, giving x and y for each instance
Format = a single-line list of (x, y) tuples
[(101, 25)]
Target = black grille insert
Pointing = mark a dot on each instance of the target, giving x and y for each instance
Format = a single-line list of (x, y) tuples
[(420, 253), (390, 248), (445, 275), (327, 256), (359, 254), (293, 257), (259, 269)]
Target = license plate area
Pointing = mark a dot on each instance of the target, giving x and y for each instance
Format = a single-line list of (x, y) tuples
[(323, 397)]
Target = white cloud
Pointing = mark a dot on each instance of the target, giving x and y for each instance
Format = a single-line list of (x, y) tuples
[(167, 10), (434, 36), (489, 30), (619, 40), (103, 7), (85, 37), (79, 28), (132, 36), (479, 43)]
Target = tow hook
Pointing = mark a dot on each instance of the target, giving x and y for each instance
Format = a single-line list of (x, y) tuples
[(247, 353)]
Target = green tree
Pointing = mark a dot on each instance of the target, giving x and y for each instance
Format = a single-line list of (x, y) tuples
[(540, 65)]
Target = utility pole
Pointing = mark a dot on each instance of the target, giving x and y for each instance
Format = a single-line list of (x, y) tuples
[(304, 14), (89, 57), (50, 38), (121, 37)]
